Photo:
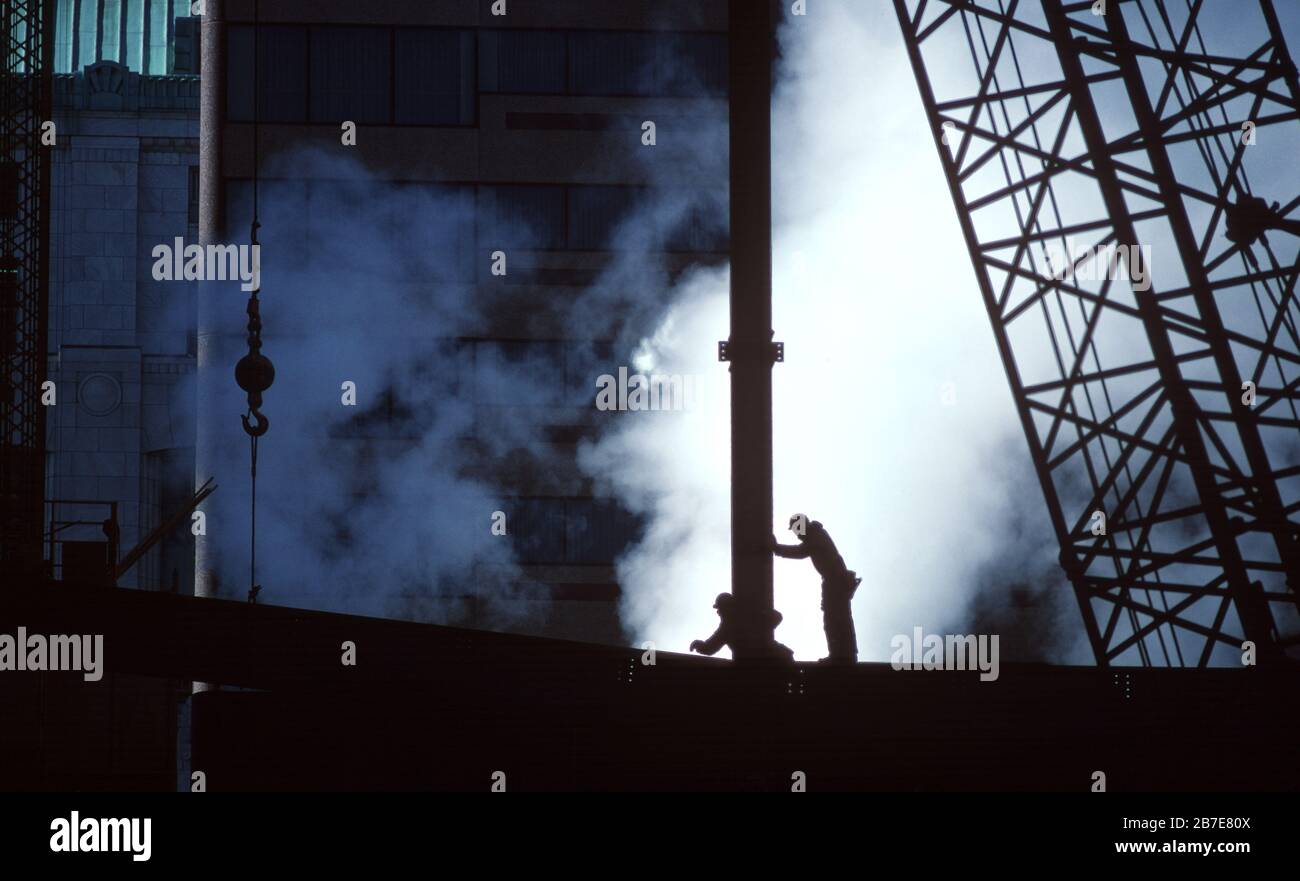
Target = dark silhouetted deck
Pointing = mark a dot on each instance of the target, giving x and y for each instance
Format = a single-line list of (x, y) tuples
[(431, 707)]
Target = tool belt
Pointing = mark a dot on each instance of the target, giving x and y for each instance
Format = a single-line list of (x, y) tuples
[(845, 585)]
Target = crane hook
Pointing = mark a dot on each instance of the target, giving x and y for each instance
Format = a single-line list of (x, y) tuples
[(259, 424), (255, 373)]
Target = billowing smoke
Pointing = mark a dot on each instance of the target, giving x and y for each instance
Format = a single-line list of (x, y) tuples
[(381, 507), (386, 507), (894, 425), (893, 422)]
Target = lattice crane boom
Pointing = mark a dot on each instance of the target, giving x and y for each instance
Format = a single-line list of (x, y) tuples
[(1156, 369)]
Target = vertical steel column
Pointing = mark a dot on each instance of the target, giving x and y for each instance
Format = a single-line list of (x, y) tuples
[(749, 347)]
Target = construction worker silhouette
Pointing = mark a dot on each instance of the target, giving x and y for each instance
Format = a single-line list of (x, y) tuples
[(727, 631), (839, 583)]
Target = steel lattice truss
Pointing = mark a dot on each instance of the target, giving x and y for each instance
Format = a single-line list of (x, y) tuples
[(24, 234), (1063, 131)]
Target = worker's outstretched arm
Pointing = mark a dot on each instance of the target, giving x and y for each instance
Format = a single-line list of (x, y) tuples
[(710, 646), (790, 552)]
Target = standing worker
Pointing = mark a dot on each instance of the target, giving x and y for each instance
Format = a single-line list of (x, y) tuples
[(839, 583)]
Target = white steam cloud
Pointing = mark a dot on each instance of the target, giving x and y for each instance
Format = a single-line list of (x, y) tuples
[(894, 425)]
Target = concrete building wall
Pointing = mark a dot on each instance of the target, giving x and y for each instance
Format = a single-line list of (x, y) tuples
[(120, 439), (120, 344)]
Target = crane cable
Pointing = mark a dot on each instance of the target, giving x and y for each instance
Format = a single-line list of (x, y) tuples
[(252, 438), (254, 373)]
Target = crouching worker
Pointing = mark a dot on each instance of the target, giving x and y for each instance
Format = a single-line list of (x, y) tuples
[(728, 631)]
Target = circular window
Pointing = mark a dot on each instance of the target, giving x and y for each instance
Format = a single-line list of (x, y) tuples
[(99, 394)]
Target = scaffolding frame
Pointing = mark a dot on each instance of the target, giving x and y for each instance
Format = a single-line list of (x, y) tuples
[(26, 27)]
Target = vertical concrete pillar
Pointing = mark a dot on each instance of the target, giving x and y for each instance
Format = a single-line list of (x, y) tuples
[(209, 368)]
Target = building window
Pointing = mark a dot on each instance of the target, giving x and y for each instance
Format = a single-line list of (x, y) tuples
[(157, 24), (603, 63), (523, 61), (426, 230), (282, 206), (187, 51), (378, 76), (87, 30), (693, 65), (435, 77), (597, 531), (703, 228), (110, 30), (595, 213), (538, 528), (589, 217), (522, 373), (624, 63), (432, 233), (63, 37), (527, 217), (421, 232), (135, 33), (281, 70), (558, 531), (350, 75), (134, 53), (432, 76), (584, 363)]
